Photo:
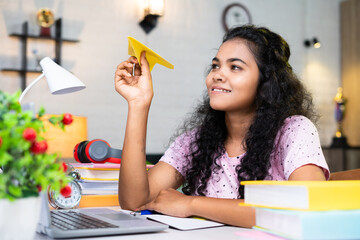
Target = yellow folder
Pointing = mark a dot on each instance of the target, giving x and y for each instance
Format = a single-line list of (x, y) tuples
[(136, 48)]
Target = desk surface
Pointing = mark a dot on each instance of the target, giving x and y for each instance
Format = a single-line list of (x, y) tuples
[(224, 232)]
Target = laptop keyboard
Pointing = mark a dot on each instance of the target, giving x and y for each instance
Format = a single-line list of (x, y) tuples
[(70, 220)]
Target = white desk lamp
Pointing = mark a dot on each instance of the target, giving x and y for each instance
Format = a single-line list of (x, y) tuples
[(59, 80)]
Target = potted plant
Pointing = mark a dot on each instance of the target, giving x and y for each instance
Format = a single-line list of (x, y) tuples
[(25, 167)]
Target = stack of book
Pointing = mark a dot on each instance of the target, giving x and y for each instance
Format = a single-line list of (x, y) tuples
[(306, 209), (98, 178), (99, 183)]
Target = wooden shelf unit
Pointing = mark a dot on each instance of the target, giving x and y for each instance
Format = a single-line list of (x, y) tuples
[(24, 36)]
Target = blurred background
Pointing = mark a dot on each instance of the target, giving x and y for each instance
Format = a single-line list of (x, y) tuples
[(187, 33)]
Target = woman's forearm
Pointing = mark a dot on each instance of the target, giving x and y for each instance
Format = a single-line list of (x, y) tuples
[(133, 180), (172, 202), (225, 211)]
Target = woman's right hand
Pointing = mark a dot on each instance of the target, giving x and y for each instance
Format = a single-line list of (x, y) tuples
[(137, 88)]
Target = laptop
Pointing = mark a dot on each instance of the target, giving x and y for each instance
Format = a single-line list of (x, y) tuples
[(88, 222)]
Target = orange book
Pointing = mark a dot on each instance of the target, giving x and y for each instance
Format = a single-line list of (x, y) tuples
[(98, 201)]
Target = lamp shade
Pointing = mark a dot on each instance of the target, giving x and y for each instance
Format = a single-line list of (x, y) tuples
[(60, 81)]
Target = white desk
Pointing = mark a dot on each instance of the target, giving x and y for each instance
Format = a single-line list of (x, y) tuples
[(218, 233)]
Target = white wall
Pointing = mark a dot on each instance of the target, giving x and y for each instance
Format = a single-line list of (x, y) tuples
[(187, 35)]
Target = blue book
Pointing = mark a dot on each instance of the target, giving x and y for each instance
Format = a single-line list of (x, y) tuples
[(335, 224)]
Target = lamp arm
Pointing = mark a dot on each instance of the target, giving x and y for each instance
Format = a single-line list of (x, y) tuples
[(31, 84)]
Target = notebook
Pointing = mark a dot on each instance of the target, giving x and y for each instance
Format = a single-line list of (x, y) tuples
[(90, 222)]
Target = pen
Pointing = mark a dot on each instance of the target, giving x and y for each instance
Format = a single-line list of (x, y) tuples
[(147, 212), (144, 212)]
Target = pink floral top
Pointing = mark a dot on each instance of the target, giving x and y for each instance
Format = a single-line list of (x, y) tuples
[(296, 144)]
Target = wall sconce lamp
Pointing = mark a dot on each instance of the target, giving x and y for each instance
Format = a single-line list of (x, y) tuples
[(153, 9), (59, 80), (312, 42)]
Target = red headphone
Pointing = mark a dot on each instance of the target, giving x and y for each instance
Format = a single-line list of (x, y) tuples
[(96, 151)]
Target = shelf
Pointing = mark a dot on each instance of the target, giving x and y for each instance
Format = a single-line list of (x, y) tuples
[(24, 36), (41, 37), (20, 70)]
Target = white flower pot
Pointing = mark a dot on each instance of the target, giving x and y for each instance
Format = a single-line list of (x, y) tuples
[(18, 219)]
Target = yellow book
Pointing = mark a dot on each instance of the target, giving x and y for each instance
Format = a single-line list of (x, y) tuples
[(303, 195), (98, 201)]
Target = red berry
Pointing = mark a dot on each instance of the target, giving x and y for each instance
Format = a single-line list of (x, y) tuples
[(29, 134), (67, 119), (39, 188), (64, 166), (66, 191), (1, 141), (39, 147)]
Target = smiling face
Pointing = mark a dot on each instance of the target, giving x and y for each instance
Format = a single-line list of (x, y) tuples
[(233, 79)]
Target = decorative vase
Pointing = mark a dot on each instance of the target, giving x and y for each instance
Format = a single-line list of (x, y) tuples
[(19, 219)]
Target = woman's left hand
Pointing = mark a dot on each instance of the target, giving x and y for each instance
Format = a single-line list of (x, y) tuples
[(170, 202)]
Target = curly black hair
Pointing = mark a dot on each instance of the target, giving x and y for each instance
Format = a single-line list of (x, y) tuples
[(280, 94)]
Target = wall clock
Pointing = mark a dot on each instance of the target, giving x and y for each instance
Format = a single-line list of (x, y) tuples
[(235, 14)]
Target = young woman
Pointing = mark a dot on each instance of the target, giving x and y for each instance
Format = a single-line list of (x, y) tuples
[(252, 125)]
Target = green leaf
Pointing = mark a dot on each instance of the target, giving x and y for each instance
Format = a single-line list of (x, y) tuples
[(26, 160), (30, 193), (5, 158), (41, 111), (15, 191)]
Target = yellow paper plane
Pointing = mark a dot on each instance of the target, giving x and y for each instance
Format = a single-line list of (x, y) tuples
[(135, 48)]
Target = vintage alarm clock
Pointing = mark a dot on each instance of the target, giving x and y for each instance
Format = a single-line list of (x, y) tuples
[(58, 201)]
